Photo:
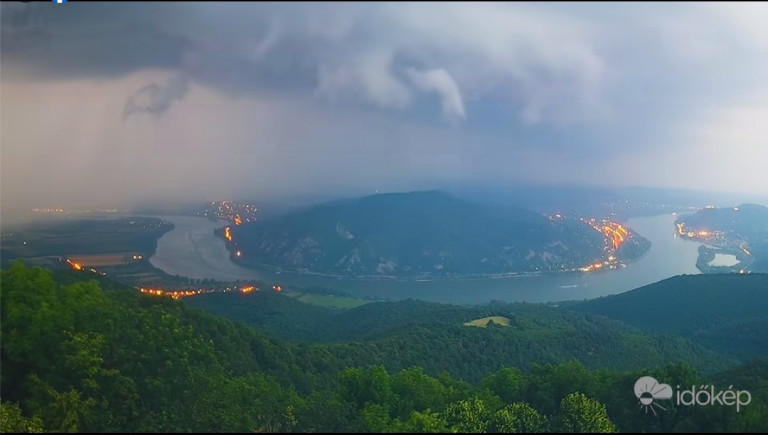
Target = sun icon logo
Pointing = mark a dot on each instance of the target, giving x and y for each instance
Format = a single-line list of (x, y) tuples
[(648, 390)]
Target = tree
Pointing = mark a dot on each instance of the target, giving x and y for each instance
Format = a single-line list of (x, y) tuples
[(369, 386), (376, 417), (421, 422), (12, 421), (519, 418), (416, 392), (62, 412), (508, 383), (548, 382), (467, 416), (580, 414)]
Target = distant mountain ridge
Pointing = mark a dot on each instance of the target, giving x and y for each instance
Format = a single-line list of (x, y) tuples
[(749, 221), (417, 234)]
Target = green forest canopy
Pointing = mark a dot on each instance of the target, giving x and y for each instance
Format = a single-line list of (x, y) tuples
[(83, 356)]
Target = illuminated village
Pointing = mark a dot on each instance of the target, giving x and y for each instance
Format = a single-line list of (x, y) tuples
[(713, 237), (615, 236), (181, 293), (236, 213), (178, 294), (699, 234)]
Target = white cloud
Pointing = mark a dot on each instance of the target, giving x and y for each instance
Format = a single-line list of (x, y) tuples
[(542, 61), (440, 82), (718, 148), (368, 79), (730, 147), (747, 19)]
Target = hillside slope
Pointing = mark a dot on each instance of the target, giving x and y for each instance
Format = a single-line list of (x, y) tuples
[(407, 333), (415, 234), (725, 312)]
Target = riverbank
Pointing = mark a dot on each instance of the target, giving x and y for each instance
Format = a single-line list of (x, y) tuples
[(418, 278)]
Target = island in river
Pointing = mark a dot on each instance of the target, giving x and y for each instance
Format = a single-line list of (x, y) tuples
[(428, 235)]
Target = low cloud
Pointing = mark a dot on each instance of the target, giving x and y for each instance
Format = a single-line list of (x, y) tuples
[(368, 79), (155, 99), (440, 82), (340, 53)]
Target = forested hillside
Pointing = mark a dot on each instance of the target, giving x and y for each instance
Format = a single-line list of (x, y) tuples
[(433, 336), (79, 357), (416, 234), (725, 312)]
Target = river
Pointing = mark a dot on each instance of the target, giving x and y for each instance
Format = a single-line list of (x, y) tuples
[(191, 250)]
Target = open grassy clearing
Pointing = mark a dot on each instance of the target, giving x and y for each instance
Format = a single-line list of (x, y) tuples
[(483, 322)]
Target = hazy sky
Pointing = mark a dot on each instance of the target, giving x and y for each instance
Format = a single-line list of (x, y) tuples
[(110, 103)]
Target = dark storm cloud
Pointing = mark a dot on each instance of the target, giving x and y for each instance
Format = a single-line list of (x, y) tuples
[(378, 54), (549, 63), (386, 95), (156, 99), (87, 40), (96, 40)]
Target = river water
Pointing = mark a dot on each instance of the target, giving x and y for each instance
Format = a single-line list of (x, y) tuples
[(192, 250)]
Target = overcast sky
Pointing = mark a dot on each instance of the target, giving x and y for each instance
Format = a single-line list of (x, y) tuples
[(113, 103)]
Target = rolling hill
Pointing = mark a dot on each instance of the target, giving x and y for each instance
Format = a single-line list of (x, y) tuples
[(434, 336), (725, 312)]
